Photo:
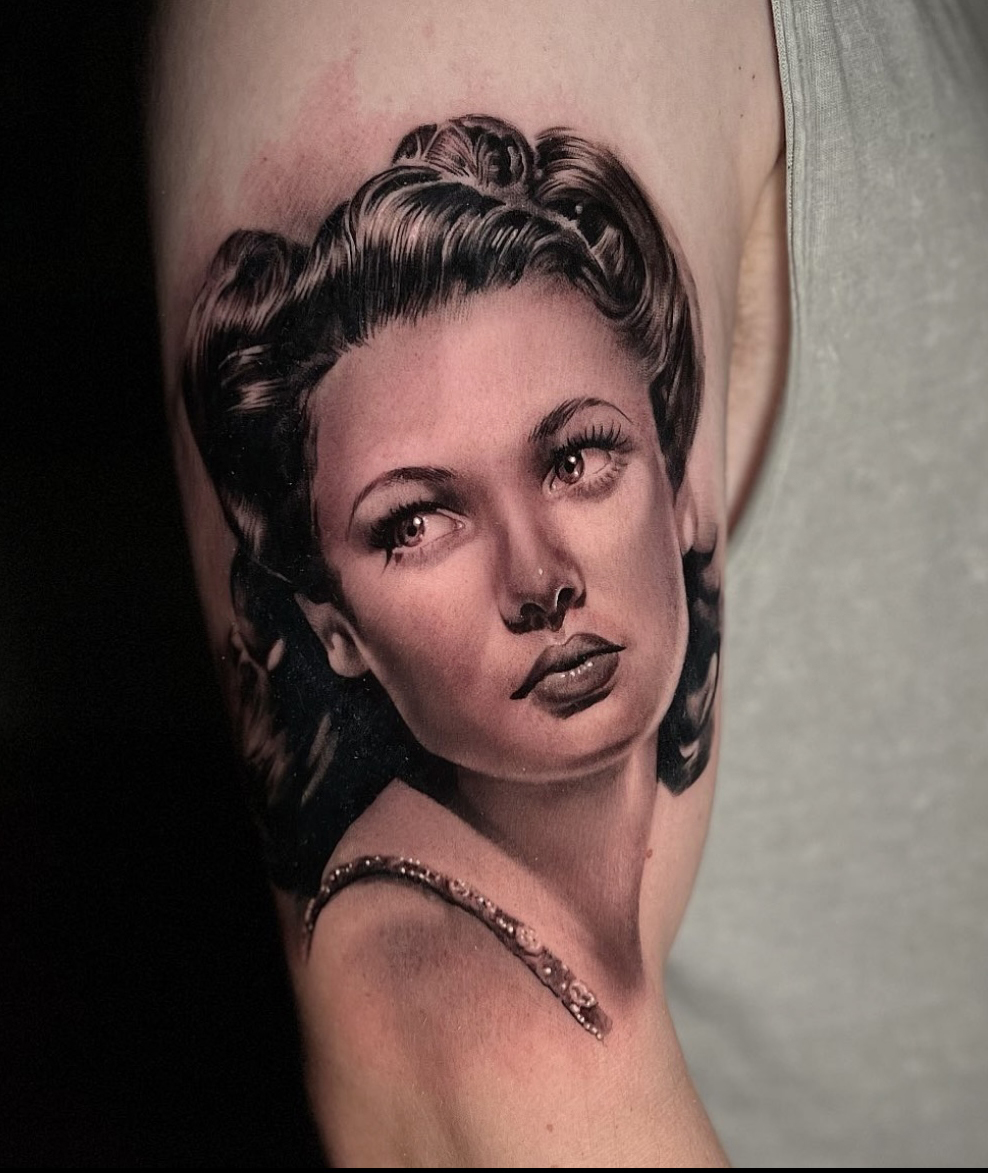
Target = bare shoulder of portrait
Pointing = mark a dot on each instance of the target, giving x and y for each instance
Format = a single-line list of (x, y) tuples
[(476, 622)]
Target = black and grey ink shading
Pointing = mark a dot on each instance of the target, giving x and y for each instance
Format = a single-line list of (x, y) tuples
[(517, 937), (466, 207)]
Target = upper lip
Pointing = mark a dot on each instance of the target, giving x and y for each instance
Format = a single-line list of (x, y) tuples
[(563, 658)]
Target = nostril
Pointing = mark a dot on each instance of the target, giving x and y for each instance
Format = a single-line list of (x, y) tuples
[(533, 617), (564, 600)]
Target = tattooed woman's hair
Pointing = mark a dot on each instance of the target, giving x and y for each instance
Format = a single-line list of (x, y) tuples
[(466, 207)]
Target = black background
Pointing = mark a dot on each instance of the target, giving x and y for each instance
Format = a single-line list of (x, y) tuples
[(145, 1015)]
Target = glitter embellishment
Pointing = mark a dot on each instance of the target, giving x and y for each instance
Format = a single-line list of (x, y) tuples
[(527, 939), (516, 936)]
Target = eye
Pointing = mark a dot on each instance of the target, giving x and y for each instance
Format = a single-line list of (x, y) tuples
[(410, 531), (411, 527), (574, 467), (589, 462)]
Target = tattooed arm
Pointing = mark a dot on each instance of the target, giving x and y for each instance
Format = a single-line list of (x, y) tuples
[(447, 294)]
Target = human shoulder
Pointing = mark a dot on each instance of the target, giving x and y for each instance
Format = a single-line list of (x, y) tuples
[(409, 1004), (420, 957)]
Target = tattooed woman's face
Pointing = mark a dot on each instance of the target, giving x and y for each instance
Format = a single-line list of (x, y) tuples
[(490, 490)]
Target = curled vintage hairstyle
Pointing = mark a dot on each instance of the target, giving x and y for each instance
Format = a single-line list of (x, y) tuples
[(466, 207)]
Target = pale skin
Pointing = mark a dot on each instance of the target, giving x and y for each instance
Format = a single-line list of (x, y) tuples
[(511, 522), (483, 1067), (503, 530)]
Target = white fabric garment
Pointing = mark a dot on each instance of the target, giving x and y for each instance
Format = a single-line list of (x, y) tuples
[(830, 983)]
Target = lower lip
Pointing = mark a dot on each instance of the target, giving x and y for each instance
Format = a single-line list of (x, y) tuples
[(577, 686)]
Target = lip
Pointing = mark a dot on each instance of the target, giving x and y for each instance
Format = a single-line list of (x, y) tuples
[(565, 673)]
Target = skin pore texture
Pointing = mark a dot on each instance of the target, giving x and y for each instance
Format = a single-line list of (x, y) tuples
[(496, 460), (488, 485), (553, 487), (499, 529)]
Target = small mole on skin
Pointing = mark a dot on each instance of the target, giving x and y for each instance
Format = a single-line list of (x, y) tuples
[(548, 1128), (648, 854)]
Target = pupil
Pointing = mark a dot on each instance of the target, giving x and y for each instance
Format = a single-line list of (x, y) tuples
[(412, 529), (571, 468)]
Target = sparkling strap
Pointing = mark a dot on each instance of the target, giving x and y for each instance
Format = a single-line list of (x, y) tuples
[(514, 935)]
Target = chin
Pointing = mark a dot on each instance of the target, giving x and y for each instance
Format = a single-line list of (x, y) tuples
[(566, 747)]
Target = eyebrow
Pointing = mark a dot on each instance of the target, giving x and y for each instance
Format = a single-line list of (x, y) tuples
[(420, 474), (560, 416)]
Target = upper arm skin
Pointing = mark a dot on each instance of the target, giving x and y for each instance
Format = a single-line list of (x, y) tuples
[(405, 1071), (407, 1074), (265, 116)]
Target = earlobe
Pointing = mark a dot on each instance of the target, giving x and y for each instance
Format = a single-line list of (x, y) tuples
[(342, 652), (686, 516)]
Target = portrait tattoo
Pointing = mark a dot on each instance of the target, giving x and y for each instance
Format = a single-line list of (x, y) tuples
[(450, 437)]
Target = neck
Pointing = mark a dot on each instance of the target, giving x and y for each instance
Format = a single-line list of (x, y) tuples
[(584, 840)]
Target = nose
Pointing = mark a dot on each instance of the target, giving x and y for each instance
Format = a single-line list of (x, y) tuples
[(540, 580)]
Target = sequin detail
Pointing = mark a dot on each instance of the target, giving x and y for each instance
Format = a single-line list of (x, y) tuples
[(517, 937)]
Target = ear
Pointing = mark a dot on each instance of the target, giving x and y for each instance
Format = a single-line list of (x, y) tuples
[(686, 516), (342, 652)]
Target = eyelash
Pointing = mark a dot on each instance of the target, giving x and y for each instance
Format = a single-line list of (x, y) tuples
[(609, 439), (383, 533)]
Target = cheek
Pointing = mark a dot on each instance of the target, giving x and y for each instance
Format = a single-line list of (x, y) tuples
[(421, 637), (635, 560), (660, 572), (630, 541)]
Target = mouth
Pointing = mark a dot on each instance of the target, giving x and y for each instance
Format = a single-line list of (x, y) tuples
[(572, 676)]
